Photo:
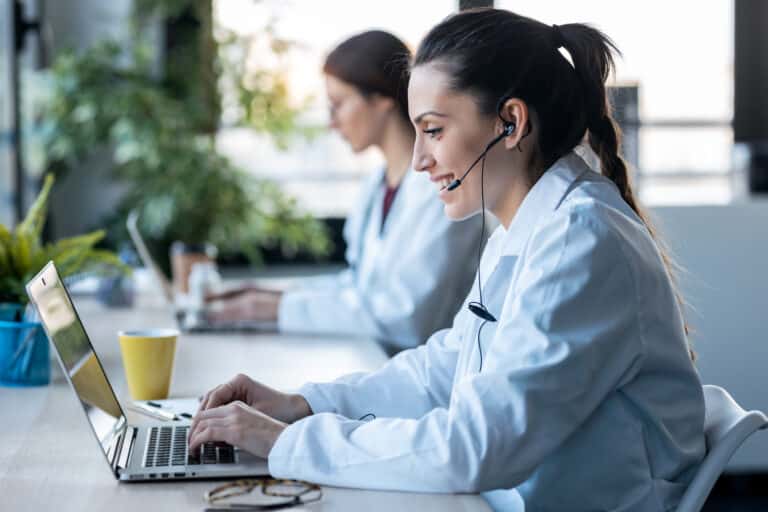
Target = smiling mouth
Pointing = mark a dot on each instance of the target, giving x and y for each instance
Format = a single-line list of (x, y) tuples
[(443, 181)]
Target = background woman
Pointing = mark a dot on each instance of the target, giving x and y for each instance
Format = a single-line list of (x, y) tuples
[(408, 270)]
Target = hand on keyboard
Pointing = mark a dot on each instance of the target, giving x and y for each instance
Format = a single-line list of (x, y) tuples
[(281, 406), (237, 424), (167, 446), (212, 453)]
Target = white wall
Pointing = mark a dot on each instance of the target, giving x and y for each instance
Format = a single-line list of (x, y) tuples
[(724, 252)]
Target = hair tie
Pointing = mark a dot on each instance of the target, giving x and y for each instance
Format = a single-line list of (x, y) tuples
[(557, 37)]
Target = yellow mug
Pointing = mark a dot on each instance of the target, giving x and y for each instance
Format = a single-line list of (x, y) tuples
[(148, 361)]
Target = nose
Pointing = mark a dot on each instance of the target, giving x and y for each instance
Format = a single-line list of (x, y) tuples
[(422, 160)]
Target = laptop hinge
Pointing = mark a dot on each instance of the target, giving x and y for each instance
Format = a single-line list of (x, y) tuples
[(123, 452)]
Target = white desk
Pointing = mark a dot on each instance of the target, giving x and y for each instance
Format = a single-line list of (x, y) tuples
[(50, 461)]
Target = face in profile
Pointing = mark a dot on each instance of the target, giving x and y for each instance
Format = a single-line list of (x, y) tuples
[(359, 119), (450, 134)]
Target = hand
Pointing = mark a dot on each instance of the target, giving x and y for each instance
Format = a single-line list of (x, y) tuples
[(237, 424), (282, 406), (248, 305), (239, 290)]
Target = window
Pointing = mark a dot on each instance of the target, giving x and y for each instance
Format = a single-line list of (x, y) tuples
[(679, 56), (322, 173), (677, 63)]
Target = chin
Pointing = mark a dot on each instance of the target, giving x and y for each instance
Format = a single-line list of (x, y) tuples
[(358, 146), (456, 213)]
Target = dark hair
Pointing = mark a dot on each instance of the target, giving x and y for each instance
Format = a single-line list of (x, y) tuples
[(495, 55), (374, 62)]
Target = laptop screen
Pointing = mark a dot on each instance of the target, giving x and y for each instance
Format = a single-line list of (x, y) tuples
[(77, 357)]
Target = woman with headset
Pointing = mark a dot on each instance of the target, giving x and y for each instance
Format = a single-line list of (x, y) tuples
[(407, 274), (566, 382)]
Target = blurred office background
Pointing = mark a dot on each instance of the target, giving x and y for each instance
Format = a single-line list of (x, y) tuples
[(689, 92)]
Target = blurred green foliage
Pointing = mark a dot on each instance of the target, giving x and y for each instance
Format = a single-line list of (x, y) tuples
[(163, 147), (23, 254)]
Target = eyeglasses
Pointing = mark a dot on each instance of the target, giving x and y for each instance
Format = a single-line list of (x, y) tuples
[(334, 106), (297, 492)]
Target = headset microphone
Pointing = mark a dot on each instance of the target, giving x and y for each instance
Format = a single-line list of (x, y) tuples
[(509, 129), (477, 307)]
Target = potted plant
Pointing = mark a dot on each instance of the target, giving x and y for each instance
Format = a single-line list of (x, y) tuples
[(183, 189), (23, 344)]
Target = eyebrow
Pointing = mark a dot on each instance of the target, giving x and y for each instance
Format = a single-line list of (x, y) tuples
[(418, 118)]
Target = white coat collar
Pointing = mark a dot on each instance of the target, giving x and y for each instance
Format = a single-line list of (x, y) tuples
[(545, 196)]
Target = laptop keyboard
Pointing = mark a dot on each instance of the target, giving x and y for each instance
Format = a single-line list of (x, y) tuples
[(167, 446)]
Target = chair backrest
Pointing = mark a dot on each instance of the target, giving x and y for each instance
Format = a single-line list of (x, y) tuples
[(726, 427)]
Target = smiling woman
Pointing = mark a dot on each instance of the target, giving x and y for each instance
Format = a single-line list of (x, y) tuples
[(579, 352)]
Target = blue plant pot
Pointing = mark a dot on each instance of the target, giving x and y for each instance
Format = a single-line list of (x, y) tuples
[(10, 311), (24, 354)]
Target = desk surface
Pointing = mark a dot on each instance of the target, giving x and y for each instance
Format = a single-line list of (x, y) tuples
[(48, 457)]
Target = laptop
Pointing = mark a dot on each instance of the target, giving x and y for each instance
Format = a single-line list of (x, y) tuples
[(135, 453), (188, 320)]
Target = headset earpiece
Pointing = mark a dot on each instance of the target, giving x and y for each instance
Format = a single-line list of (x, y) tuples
[(509, 129)]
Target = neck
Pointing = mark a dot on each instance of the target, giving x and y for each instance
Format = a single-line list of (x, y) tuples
[(397, 147), (514, 184)]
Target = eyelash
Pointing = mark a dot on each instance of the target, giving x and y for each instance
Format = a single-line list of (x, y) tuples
[(432, 132)]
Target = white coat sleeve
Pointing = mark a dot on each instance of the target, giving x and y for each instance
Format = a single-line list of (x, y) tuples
[(408, 385), (560, 348), (418, 282)]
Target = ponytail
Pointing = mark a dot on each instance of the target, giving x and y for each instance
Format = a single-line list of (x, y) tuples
[(591, 51), (592, 55), (495, 54)]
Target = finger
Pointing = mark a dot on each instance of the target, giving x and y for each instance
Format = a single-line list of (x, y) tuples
[(210, 433), (228, 294), (205, 403), (225, 313), (201, 424), (209, 422), (216, 412), (204, 400), (211, 296), (221, 395)]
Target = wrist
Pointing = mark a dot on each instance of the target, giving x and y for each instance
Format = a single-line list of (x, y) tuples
[(272, 436), (299, 407), (265, 306)]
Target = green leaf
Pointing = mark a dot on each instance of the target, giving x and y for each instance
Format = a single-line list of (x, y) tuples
[(21, 252), (35, 220), (5, 261), (5, 236), (86, 241)]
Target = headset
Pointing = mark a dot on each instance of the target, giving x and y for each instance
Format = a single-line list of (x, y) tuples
[(509, 129), (477, 307)]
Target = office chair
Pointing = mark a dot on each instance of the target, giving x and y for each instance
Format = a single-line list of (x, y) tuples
[(726, 427)]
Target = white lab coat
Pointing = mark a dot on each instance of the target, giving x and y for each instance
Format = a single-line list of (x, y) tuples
[(404, 281), (587, 399)]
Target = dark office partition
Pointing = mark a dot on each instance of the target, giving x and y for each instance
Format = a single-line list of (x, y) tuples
[(469, 4), (7, 160), (750, 112)]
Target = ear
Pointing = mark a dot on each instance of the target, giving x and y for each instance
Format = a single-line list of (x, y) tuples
[(382, 103), (514, 110)]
